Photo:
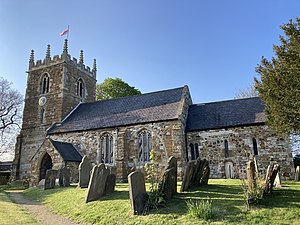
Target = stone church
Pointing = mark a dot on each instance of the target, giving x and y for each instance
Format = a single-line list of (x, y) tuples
[(62, 122)]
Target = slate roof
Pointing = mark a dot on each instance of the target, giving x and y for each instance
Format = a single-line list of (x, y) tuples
[(145, 108), (238, 112), (67, 151)]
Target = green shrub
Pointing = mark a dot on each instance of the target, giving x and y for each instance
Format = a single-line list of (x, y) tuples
[(202, 209)]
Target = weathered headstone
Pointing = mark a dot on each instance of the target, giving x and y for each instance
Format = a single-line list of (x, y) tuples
[(206, 173), (168, 184), (277, 182), (172, 163), (270, 177), (137, 192), (64, 177), (251, 175), (201, 173), (110, 183), (50, 178), (97, 184), (297, 174), (85, 168), (187, 177)]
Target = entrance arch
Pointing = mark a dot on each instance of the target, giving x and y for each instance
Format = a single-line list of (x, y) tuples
[(229, 170), (46, 164)]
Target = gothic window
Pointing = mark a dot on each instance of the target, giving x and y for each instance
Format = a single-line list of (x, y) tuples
[(197, 150), (43, 112), (192, 151), (144, 146), (80, 88), (45, 84), (107, 148), (226, 149), (255, 151)]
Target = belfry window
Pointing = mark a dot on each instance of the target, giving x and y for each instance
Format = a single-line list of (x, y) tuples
[(45, 84), (226, 149), (255, 151), (80, 88), (107, 148), (144, 146)]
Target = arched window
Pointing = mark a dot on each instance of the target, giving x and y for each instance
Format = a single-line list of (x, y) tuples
[(80, 88), (192, 151), (107, 148), (197, 150), (255, 151), (144, 146), (43, 112), (45, 84), (226, 149)]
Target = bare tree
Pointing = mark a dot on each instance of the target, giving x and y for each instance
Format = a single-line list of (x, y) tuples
[(10, 114), (247, 93)]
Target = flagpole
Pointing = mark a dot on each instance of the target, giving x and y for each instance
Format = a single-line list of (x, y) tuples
[(68, 32)]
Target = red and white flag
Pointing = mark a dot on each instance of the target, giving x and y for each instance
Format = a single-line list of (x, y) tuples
[(66, 31)]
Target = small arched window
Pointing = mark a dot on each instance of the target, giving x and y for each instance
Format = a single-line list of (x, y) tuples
[(43, 112), (255, 151), (45, 84), (107, 148), (144, 146), (192, 151), (226, 149), (80, 88), (197, 150)]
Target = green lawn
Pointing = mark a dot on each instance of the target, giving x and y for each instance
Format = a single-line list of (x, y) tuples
[(11, 213), (281, 208)]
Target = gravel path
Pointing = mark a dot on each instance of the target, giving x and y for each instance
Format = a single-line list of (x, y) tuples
[(39, 211)]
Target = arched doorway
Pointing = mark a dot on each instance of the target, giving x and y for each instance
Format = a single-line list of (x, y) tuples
[(46, 164), (229, 170)]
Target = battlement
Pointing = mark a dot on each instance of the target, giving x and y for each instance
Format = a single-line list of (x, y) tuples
[(64, 57)]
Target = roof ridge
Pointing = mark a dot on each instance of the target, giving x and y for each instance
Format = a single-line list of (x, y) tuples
[(228, 100)]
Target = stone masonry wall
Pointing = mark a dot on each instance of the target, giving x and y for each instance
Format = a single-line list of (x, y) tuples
[(240, 146)]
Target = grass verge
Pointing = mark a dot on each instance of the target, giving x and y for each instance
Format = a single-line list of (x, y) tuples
[(227, 197)]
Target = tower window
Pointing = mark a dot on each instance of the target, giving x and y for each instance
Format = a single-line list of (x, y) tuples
[(45, 84), (144, 146), (255, 151), (43, 112), (80, 88), (197, 150), (192, 151), (226, 149), (107, 148)]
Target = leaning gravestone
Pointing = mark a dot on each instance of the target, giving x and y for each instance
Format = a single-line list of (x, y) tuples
[(277, 182), (64, 177), (172, 163), (206, 173), (169, 183), (110, 183), (97, 184), (137, 192), (251, 175), (85, 168), (50, 178), (187, 177), (297, 174), (270, 177)]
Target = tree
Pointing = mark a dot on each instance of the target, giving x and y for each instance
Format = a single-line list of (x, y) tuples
[(279, 87), (10, 114), (247, 93), (114, 88)]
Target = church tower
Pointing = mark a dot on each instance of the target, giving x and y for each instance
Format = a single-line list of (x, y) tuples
[(55, 86)]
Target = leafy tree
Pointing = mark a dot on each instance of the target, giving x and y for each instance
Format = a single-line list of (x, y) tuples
[(114, 88), (279, 87), (10, 114)]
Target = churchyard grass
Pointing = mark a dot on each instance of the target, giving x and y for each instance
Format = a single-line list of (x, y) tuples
[(11, 213), (226, 196)]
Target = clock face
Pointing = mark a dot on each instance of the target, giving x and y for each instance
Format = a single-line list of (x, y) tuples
[(42, 101)]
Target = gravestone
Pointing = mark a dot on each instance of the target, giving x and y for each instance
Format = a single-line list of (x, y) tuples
[(270, 177), (172, 163), (64, 177), (188, 175), (251, 175), (169, 183), (137, 192), (277, 182), (297, 174), (97, 184), (85, 168), (110, 183), (206, 173), (50, 178)]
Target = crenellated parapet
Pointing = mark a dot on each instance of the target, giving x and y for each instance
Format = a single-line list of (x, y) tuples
[(63, 58)]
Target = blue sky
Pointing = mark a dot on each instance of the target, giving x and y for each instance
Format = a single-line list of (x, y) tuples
[(211, 46)]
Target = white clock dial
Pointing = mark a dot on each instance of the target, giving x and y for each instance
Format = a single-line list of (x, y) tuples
[(42, 101)]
